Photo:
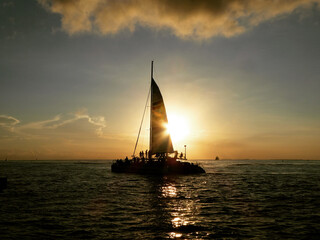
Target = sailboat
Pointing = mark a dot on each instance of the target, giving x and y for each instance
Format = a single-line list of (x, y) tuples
[(161, 158)]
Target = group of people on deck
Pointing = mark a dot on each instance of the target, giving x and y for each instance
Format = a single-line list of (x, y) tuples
[(144, 155)]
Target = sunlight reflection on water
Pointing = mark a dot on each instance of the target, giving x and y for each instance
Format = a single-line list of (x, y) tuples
[(234, 200), (169, 191), (175, 235), (180, 205)]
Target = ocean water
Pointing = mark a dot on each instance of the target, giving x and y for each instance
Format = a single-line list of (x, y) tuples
[(238, 199)]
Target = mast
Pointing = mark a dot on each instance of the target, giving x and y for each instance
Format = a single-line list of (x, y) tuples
[(150, 141)]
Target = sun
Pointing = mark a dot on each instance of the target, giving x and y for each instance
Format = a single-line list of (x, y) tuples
[(178, 127)]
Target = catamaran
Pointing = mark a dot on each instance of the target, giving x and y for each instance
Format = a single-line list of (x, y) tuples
[(161, 157)]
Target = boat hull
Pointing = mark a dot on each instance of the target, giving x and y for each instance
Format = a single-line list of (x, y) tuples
[(156, 167)]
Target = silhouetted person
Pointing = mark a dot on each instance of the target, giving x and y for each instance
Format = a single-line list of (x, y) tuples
[(147, 153), (181, 155)]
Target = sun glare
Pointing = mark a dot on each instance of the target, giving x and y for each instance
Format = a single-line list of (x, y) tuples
[(178, 127)]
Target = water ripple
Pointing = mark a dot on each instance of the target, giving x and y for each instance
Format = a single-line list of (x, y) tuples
[(234, 200)]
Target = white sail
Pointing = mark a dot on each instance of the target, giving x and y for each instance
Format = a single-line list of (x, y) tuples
[(160, 140)]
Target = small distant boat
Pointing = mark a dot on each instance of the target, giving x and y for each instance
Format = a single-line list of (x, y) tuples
[(158, 159), (217, 158)]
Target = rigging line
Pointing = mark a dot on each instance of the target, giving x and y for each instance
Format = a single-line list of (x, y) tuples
[(135, 147), (151, 98)]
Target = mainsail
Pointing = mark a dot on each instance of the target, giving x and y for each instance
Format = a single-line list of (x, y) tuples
[(160, 140)]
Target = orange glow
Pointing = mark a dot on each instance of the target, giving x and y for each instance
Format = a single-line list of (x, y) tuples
[(178, 127)]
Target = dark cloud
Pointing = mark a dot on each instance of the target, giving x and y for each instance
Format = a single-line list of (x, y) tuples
[(200, 19)]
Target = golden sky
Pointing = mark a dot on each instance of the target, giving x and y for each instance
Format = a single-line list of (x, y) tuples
[(240, 79)]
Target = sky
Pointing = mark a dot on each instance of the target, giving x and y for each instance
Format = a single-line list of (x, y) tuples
[(240, 77)]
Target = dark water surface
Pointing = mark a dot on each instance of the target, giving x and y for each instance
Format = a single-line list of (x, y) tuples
[(252, 199)]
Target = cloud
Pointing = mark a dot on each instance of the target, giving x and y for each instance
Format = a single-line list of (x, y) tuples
[(79, 123), (200, 19), (7, 125), (8, 121), (63, 136)]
